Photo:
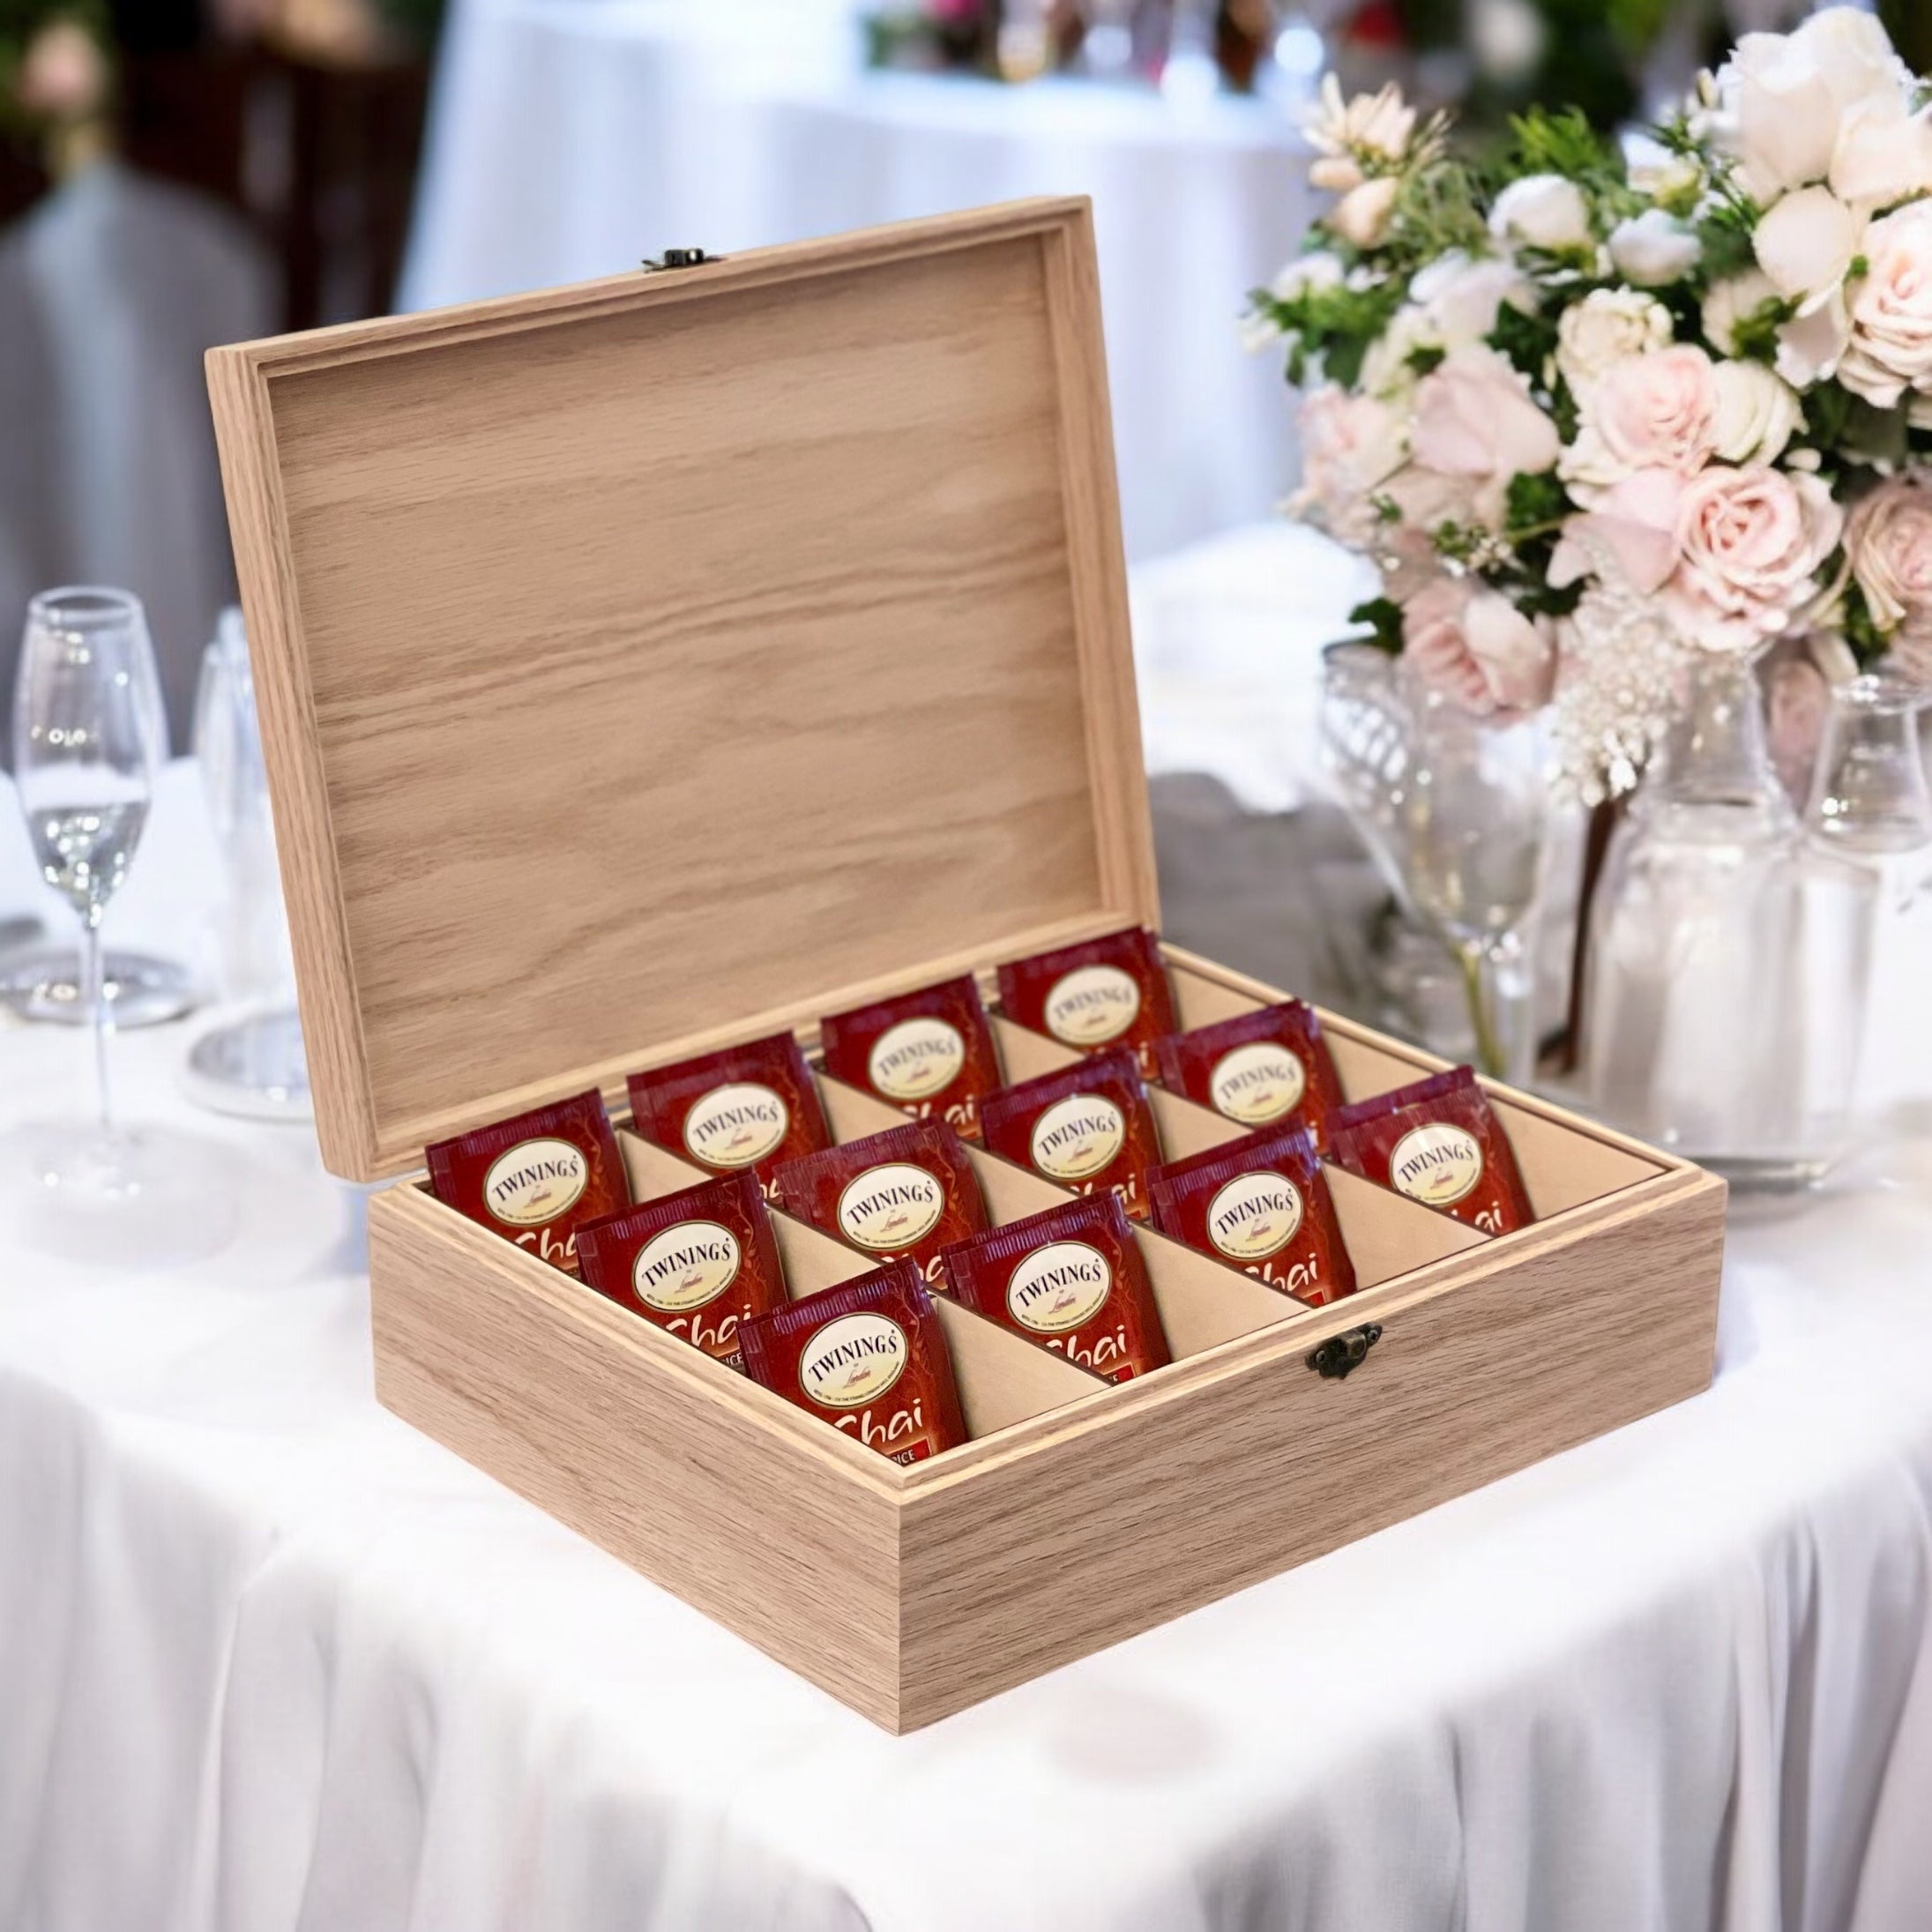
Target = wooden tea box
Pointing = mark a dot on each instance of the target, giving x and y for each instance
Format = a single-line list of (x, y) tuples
[(648, 665)]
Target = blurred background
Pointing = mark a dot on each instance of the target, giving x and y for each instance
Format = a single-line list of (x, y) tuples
[(177, 173)]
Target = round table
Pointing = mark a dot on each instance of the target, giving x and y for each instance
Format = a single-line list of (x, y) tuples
[(571, 137), (270, 1659)]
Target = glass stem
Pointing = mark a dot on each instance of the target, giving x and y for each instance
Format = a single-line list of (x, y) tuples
[(93, 991), (1473, 956)]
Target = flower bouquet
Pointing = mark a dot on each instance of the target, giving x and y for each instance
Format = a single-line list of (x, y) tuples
[(1608, 406), (1619, 424)]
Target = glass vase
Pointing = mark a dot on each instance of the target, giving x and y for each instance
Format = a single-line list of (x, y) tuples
[(1730, 954)]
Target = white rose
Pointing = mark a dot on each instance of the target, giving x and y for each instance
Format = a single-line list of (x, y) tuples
[(1362, 216), (1659, 174), (1807, 245), (1320, 270), (1853, 55), (1654, 249), (1758, 414), (1388, 371), (1463, 298), (1543, 211), (1609, 326), (1890, 347), (1812, 346), (1884, 157), (1736, 299)]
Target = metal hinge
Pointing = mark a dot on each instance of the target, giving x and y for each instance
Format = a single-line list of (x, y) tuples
[(677, 257), (1339, 1353)]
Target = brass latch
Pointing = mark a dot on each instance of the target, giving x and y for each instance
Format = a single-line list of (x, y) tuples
[(1339, 1353)]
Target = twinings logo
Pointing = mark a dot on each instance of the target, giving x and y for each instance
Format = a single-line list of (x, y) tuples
[(917, 1058), (1257, 1083), (535, 1181), (889, 1207), (1092, 1004), (1254, 1216), (732, 1126), (686, 1266), (1077, 1137), (1063, 1287), (852, 1360), (1437, 1164)]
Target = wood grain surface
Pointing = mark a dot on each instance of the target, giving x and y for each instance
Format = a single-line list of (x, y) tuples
[(654, 662)]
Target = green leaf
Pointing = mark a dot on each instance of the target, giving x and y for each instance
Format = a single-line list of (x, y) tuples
[(1381, 616), (1536, 502)]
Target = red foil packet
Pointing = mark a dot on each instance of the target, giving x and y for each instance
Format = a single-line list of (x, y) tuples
[(1262, 1206), (1087, 1128), (1071, 1279), (869, 1357), (1439, 1143), (1101, 993), (1262, 1070), (928, 1054), (746, 1106), (537, 1178), (699, 1262), (906, 1193)]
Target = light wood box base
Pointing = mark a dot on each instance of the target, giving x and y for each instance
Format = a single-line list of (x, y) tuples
[(1079, 1513)]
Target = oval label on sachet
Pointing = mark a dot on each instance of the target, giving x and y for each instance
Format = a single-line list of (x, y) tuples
[(889, 1207), (1435, 1164), (1092, 1004), (1061, 1287), (1077, 1137), (915, 1059), (535, 1181), (1254, 1216), (852, 1360), (734, 1125), (1258, 1082), (686, 1266)]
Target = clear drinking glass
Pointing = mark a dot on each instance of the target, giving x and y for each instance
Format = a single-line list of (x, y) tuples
[(89, 741), (1456, 811)]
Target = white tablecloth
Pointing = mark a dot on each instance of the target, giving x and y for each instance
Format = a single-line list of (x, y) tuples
[(570, 138), (269, 1659)]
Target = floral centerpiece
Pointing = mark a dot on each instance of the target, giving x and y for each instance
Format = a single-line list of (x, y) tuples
[(1603, 408)]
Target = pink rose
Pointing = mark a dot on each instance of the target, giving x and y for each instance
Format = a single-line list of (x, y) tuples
[(1475, 417), (1890, 347), (1630, 530), (1889, 543), (1350, 447), (1654, 412), (1751, 541), (1474, 646)]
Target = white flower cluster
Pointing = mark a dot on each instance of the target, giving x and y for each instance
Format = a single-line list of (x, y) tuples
[(1681, 392)]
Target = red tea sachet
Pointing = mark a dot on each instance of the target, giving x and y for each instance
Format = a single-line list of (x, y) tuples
[(1262, 1069), (930, 1054), (699, 1262), (746, 1106), (909, 1192), (537, 1178), (1439, 1143), (1071, 1279), (1087, 1128), (1101, 993), (1262, 1203), (869, 1357)]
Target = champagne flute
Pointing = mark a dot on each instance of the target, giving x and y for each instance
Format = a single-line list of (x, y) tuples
[(89, 741)]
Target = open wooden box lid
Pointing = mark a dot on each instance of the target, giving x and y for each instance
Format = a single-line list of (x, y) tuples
[(670, 658)]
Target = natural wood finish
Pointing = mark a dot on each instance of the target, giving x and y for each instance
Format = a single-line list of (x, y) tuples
[(1036, 1557), (662, 660)]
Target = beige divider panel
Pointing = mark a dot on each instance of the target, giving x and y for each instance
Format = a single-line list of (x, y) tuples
[(1188, 1128), (853, 1113), (1025, 1055), (1562, 1168), (1386, 1234), (1202, 1304)]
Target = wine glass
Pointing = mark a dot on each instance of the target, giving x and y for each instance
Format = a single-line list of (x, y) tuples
[(89, 741)]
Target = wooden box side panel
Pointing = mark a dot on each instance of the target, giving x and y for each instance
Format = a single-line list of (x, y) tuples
[(1024, 1565), (661, 1461)]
